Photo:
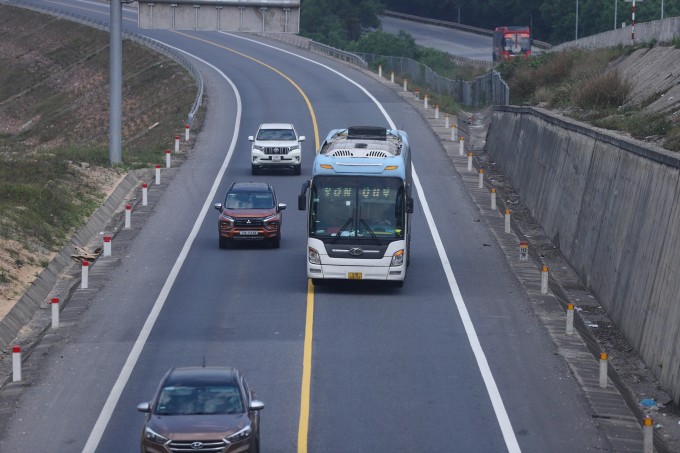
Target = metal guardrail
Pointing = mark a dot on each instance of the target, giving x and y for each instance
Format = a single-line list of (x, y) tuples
[(169, 52)]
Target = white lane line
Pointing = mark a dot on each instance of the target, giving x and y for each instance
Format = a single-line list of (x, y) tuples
[(124, 376), (489, 381)]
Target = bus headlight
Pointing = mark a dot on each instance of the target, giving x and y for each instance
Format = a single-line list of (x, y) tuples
[(313, 256), (397, 258)]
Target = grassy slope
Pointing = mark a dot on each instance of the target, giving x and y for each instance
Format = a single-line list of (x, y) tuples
[(54, 168)]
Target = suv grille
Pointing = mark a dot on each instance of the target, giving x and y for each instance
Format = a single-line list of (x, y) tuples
[(206, 446), (248, 222), (277, 149)]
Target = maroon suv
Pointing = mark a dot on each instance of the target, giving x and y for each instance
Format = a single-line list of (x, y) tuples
[(250, 212)]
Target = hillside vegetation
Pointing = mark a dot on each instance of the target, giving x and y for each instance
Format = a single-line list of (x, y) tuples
[(604, 88), (54, 96)]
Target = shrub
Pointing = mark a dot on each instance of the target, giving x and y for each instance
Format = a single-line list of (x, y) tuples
[(608, 90)]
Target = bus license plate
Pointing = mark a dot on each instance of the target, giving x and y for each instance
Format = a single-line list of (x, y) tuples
[(354, 275), (248, 233)]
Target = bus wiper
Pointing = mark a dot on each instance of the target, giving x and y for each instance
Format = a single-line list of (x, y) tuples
[(377, 240), (337, 236)]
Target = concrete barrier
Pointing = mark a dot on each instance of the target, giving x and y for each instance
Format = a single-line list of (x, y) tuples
[(612, 205)]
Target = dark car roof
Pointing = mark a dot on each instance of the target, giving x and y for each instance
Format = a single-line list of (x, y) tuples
[(250, 187), (202, 376)]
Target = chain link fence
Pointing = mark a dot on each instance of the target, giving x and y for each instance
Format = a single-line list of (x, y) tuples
[(487, 89)]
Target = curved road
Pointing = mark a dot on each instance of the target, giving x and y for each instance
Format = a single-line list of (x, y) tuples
[(454, 361), (450, 40)]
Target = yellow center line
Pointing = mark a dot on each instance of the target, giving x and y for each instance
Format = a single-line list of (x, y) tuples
[(303, 424)]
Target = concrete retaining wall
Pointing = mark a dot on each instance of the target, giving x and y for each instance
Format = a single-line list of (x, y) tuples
[(36, 297), (658, 30), (613, 207)]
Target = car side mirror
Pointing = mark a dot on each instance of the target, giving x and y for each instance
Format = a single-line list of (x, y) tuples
[(144, 407), (218, 206), (301, 138), (281, 206), (251, 138), (256, 405), (409, 205)]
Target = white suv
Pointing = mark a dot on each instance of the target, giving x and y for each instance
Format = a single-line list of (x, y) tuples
[(276, 145)]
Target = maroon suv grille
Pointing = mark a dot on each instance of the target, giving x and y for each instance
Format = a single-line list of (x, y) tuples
[(203, 446), (248, 222)]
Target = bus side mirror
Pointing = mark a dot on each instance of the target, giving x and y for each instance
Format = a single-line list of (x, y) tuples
[(302, 198), (409, 205)]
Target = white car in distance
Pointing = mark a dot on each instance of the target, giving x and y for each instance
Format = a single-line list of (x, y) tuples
[(276, 145)]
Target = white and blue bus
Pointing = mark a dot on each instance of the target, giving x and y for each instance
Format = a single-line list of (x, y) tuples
[(359, 206)]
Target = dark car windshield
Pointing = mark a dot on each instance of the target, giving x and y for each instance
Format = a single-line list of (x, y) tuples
[(198, 400), (249, 200)]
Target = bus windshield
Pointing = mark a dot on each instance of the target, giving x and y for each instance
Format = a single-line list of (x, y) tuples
[(357, 207)]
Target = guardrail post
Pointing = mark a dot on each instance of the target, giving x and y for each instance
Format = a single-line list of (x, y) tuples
[(16, 363), (84, 277), (603, 370), (107, 245), (648, 435), (544, 280), (55, 312), (570, 319)]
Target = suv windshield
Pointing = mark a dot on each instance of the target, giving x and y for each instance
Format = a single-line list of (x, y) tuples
[(249, 200), (276, 134)]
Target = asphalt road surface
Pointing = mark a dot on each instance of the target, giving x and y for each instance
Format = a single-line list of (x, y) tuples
[(454, 361)]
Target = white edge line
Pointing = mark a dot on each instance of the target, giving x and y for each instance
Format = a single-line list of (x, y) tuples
[(489, 381), (117, 390)]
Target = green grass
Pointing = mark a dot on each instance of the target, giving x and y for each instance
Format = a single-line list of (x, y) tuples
[(54, 99)]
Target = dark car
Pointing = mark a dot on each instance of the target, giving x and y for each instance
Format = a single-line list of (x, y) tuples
[(206, 409), (250, 212)]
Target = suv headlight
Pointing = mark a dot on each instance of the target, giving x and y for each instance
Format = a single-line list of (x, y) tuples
[(153, 436), (397, 258), (271, 222), (243, 434), (258, 148), (313, 256), (226, 222)]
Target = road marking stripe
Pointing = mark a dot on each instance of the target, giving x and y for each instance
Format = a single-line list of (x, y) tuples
[(489, 381), (117, 390)]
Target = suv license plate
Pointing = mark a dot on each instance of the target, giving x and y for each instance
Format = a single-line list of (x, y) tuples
[(247, 233), (276, 158), (354, 275)]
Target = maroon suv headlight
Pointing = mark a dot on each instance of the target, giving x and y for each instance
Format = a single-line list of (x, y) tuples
[(272, 222), (226, 222)]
